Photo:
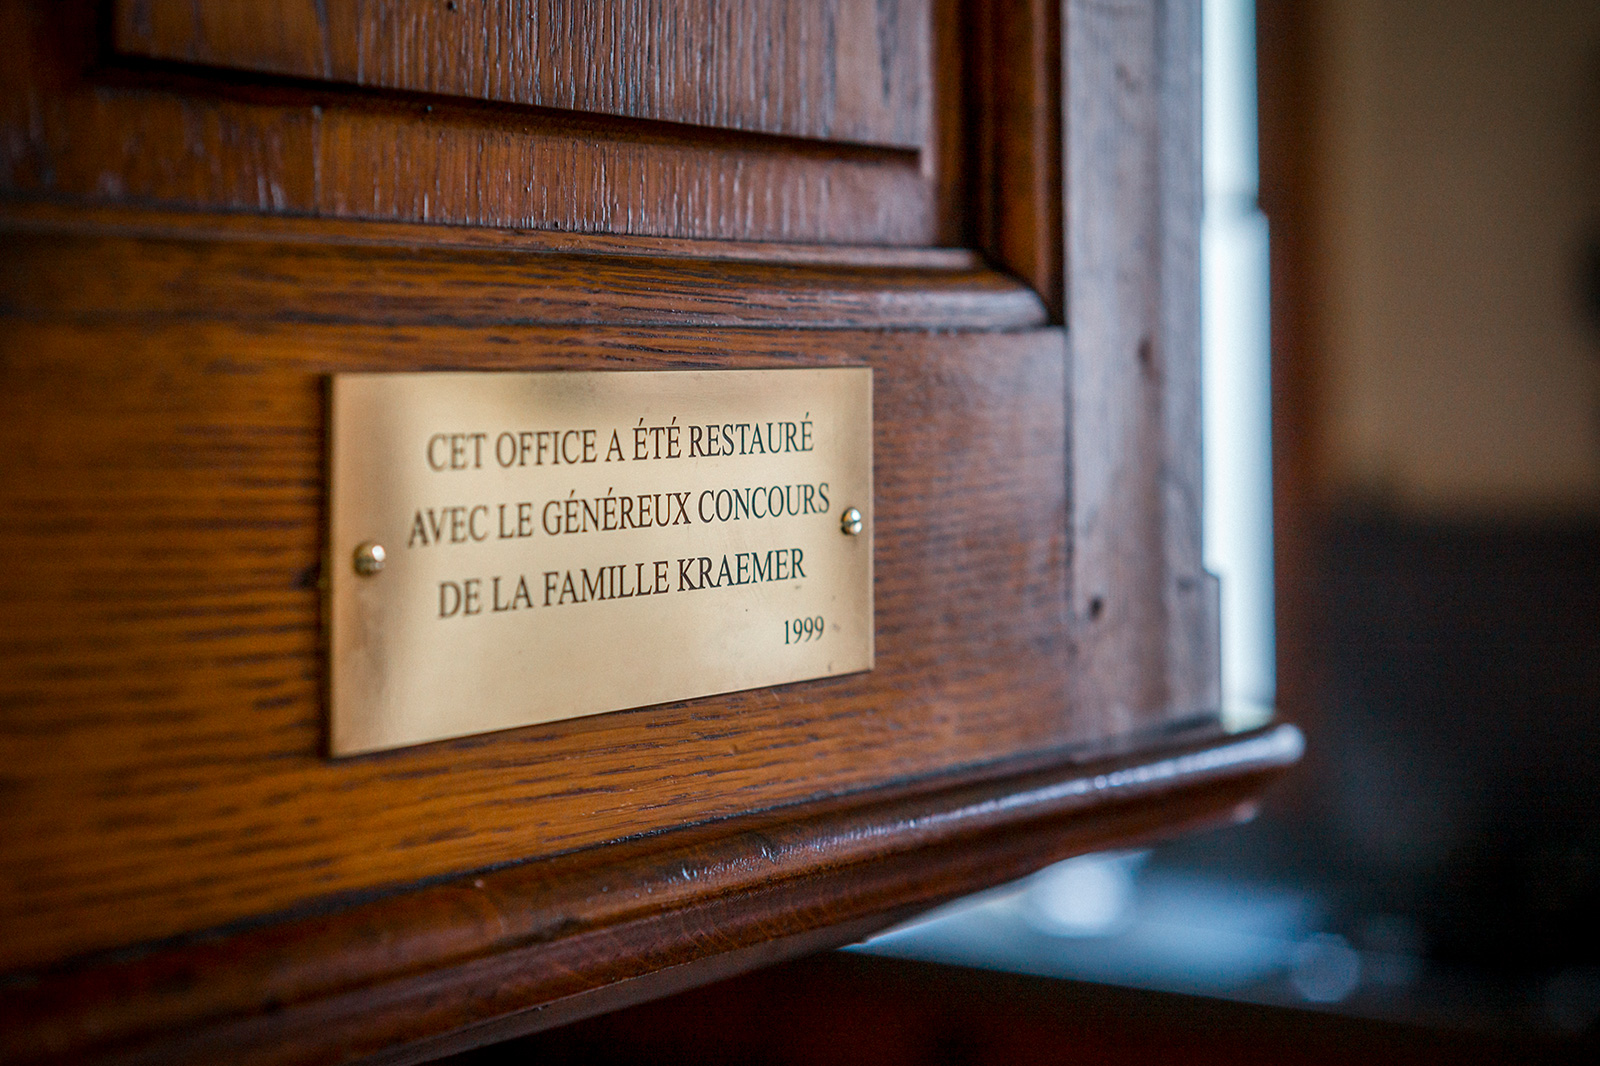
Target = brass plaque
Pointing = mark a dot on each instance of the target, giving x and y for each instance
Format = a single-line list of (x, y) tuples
[(512, 548)]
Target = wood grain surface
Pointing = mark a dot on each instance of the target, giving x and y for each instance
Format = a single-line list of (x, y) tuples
[(837, 70), (26, 214), (1015, 116), (197, 230), (161, 746), (135, 264), (79, 123), (480, 958)]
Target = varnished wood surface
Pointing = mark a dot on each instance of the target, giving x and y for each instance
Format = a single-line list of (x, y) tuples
[(514, 950), (33, 215), (80, 124), (1013, 48), (185, 876), (149, 265), (161, 747), (839, 70)]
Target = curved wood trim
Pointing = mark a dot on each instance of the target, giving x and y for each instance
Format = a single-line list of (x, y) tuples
[(486, 956), (214, 266)]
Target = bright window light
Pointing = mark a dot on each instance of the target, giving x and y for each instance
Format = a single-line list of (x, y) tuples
[(1236, 381)]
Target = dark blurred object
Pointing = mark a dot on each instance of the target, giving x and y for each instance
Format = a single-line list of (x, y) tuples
[(887, 1012), (1428, 171), (1450, 790), (1450, 786), (1460, 746)]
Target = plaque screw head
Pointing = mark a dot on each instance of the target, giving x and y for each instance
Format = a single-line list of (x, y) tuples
[(369, 557), (850, 522)]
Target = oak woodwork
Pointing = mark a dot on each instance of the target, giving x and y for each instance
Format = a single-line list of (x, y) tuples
[(483, 957), (87, 125), (1014, 161), (834, 70), (119, 263), (163, 738), (207, 208)]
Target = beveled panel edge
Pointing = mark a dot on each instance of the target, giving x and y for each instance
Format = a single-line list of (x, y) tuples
[(134, 263), (22, 212), (493, 954)]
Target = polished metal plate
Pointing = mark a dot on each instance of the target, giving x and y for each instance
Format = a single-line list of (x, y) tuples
[(514, 548)]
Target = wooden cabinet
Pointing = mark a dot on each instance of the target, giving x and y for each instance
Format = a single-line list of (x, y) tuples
[(210, 207)]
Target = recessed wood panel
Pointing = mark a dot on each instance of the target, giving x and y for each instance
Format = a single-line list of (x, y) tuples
[(81, 124), (837, 70)]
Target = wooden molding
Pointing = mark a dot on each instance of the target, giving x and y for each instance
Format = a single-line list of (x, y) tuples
[(175, 265), (488, 955)]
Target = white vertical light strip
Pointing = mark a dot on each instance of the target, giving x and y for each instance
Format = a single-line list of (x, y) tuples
[(1235, 374)]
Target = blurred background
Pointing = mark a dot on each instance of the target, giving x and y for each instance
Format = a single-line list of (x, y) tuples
[(1402, 400)]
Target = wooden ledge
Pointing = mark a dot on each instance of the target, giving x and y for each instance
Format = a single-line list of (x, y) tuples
[(486, 956), (111, 263)]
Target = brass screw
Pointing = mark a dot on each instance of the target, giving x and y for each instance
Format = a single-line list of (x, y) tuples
[(369, 558), (850, 522)]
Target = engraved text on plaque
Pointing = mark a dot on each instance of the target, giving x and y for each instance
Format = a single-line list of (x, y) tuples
[(513, 548)]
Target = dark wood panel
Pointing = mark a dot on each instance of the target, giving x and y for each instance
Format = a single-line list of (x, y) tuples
[(163, 713), (838, 70), (523, 948), (1014, 104), (113, 263), (75, 127)]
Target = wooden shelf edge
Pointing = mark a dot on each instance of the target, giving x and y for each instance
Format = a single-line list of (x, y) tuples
[(486, 956)]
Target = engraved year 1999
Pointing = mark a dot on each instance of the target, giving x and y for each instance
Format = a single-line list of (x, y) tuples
[(801, 630)]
